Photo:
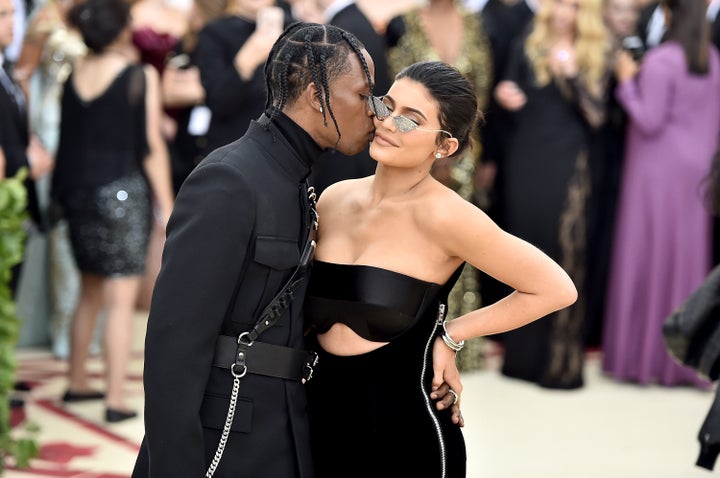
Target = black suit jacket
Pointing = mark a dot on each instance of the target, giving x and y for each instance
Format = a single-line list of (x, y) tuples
[(643, 22), (353, 20), (333, 166), (233, 101), (503, 24), (14, 140), (238, 219)]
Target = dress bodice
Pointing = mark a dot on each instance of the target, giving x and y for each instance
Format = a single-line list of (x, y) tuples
[(377, 304)]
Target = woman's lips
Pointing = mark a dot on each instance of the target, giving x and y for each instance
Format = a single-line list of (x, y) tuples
[(382, 140)]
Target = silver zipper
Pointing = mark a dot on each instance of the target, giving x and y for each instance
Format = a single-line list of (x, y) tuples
[(426, 396)]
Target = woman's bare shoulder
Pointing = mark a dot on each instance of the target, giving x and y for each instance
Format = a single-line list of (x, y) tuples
[(442, 210)]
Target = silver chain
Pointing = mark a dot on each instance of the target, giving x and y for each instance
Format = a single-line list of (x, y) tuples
[(236, 381), (226, 429)]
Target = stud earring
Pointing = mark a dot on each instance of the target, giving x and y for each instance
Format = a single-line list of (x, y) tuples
[(321, 109), (437, 155)]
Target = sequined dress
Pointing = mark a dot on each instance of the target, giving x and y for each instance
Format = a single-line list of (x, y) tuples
[(99, 180), (371, 414)]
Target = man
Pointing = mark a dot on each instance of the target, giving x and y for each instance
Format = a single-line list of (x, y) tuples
[(333, 166), (17, 148), (651, 25), (221, 400)]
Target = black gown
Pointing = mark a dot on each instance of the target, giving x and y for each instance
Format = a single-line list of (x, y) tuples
[(546, 183), (371, 414)]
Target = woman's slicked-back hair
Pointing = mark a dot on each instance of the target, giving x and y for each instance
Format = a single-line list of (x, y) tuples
[(310, 53), (454, 94), (100, 22)]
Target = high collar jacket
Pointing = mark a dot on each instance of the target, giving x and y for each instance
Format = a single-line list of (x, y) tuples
[(239, 219)]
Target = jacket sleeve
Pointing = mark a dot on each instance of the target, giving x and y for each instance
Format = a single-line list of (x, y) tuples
[(647, 98), (225, 90), (207, 240)]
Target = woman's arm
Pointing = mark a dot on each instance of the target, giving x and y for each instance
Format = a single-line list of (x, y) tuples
[(157, 162), (32, 47), (540, 285), (181, 87), (645, 95)]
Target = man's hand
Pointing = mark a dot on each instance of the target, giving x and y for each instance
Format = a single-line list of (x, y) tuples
[(446, 384), (444, 399)]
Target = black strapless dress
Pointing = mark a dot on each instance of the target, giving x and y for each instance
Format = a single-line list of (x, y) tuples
[(371, 414)]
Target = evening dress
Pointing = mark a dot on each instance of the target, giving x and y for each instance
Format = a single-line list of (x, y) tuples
[(662, 248), (99, 180), (371, 414)]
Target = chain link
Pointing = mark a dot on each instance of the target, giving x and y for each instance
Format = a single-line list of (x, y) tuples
[(226, 429), (275, 310)]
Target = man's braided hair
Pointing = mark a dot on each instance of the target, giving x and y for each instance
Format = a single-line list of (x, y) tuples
[(305, 53)]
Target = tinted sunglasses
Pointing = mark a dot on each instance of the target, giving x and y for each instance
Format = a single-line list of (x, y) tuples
[(402, 123)]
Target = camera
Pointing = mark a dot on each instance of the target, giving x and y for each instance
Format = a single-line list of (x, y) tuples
[(634, 45)]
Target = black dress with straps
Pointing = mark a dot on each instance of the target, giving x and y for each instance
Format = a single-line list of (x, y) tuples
[(371, 414), (99, 182)]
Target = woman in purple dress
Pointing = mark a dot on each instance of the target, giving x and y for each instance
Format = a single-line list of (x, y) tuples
[(662, 247)]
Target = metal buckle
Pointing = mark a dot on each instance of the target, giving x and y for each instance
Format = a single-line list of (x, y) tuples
[(247, 342), (238, 374), (243, 342)]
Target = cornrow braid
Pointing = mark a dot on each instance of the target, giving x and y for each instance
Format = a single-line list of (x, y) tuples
[(269, 93), (307, 44), (308, 53)]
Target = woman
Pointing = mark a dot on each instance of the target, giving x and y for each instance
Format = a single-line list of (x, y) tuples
[(158, 27), (230, 54), (555, 85), (184, 95), (662, 246), (378, 291), (111, 161), (49, 49), (605, 165), (444, 30)]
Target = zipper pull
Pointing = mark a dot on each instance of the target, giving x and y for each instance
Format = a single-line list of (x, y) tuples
[(441, 313)]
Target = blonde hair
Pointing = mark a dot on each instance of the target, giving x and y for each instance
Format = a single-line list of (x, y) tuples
[(591, 43)]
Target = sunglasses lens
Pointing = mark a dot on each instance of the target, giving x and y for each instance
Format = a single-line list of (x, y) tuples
[(403, 124), (381, 112), (378, 108)]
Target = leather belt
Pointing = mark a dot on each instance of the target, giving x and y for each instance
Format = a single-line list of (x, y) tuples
[(262, 358)]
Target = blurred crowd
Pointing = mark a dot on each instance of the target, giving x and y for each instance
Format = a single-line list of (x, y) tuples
[(600, 126)]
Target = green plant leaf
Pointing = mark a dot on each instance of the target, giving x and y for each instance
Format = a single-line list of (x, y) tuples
[(13, 214)]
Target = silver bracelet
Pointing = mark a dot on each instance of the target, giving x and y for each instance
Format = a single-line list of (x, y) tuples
[(456, 346)]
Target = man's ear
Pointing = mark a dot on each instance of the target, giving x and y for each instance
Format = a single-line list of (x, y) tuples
[(311, 95)]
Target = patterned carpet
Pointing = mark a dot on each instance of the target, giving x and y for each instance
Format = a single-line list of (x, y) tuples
[(74, 439), (604, 430)]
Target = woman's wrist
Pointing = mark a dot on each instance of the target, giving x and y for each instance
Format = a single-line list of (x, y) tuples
[(449, 341)]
